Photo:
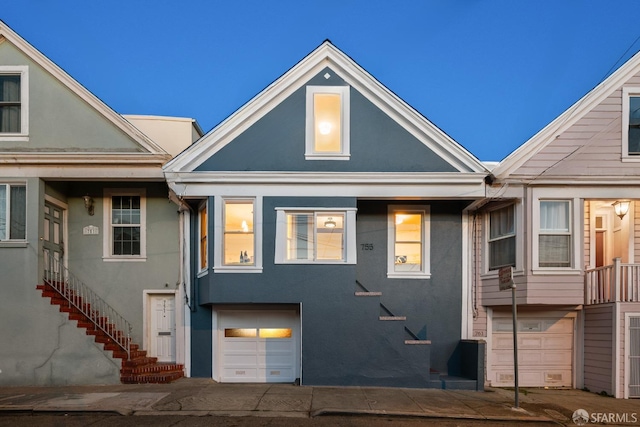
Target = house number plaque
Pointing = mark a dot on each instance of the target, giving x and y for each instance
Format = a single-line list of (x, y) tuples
[(366, 246)]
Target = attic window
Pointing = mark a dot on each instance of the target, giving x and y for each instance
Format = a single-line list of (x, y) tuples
[(327, 123), (631, 124), (14, 111)]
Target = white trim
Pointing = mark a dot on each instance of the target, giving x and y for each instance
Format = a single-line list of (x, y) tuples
[(627, 370), (107, 242), (185, 288), (23, 71), (326, 55), (517, 234), (627, 93), (425, 211), (616, 351), (147, 294), (345, 121), (218, 236), (350, 249), (9, 242), (466, 330)]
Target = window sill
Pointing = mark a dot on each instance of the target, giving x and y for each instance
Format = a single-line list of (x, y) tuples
[(13, 244), (568, 271), (230, 269), (327, 156), (409, 276), (280, 262), (123, 259), (14, 137), (631, 158), (202, 273)]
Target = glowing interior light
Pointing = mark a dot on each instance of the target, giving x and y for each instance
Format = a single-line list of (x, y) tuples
[(324, 128), (244, 226)]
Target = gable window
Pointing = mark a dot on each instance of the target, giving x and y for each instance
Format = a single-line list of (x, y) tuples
[(502, 238), (239, 241), (408, 242), (554, 236), (13, 215), (327, 123), (631, 124), (13, 102), (315, 236), (202, 232), (125, 213)]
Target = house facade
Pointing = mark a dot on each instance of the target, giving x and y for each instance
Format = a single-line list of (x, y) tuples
[(328, 237), (85, 224), (564, 212)]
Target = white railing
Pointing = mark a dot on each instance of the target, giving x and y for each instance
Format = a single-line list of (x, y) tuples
[(97, 311), (612, 283)]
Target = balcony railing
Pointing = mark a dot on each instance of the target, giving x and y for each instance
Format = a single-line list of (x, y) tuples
[(612, 283)]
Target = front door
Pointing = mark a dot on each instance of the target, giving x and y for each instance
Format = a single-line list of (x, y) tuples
[(52, 237), (163, 327)]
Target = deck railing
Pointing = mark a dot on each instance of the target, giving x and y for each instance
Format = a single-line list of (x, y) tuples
[(85, 300), (612, 283)]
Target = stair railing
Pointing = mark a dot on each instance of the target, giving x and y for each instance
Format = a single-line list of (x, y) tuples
[(85, 300)]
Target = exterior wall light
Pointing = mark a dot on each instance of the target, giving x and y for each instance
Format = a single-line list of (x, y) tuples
[(621, 207), (88, 204), (330, 223)]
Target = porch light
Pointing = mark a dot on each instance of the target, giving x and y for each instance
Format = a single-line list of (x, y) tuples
[(330, 223), (88, 204), (621, 207)]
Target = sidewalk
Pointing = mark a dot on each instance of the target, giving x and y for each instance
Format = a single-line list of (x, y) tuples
[(196, 396)]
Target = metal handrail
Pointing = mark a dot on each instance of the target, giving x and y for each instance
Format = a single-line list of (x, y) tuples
[(85, 300)]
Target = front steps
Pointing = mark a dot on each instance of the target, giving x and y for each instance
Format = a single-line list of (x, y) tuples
[(136, 367)]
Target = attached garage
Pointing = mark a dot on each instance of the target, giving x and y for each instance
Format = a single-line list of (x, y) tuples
[(545, 350), (257, 346)]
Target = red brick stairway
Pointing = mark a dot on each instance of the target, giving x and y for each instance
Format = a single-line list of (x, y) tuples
[(137, 367)]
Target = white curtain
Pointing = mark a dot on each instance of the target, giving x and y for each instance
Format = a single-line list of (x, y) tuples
[(555, 238), (18, 212)]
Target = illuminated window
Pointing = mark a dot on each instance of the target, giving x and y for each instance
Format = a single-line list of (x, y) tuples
[(14, 99), (275, 333), (408, 235), (202, 213), (239, 241), (327, 132), (315, 236), (240, 333), (125, 213)]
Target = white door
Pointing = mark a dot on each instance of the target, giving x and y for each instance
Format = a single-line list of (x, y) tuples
[(545, 351), (258, 346), (163, 327), (52, 238)]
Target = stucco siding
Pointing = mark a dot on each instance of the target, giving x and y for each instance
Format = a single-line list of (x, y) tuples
[(598, 344)]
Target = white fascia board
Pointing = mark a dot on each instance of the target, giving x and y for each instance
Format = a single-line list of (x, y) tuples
[(82, 158), (58, 73), (88, 173), (324, 56), (567, 119), (577, 181)]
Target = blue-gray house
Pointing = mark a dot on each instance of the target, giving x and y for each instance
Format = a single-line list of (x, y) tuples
[(326, 236)]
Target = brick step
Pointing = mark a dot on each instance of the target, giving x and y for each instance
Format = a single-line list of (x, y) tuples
[(152, 368), (151, 378), (139, 361)]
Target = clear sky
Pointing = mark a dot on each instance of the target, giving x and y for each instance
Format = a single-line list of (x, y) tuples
[(489, 73)]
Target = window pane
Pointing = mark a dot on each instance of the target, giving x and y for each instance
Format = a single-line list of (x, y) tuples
[(634, 125), (408, 244), (326, 111), (300, 236), (239, 238), (502, 253), (408, 227), (126, 240), (275, 333), (554, 216), (240, 333), (330, 236), (501, 222), (554, 251), (3, 212), (203, 237), (10, 118), (9, 88)]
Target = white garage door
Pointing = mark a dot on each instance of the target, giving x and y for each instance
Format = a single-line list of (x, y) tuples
[(258, 346), (545, 351)]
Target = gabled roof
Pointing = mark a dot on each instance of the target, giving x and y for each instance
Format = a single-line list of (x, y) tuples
[(567, 119), (36, 56), (326, 55)]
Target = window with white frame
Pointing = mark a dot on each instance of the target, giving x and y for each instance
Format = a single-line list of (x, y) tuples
[(14, 111), (554, 234), (202, 234), (238, 239), (327, 123), (13, 212), (125, 222), (408, 242), (315, 236), (631, 123), (502, 238)]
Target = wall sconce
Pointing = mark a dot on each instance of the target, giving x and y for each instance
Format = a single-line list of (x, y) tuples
[(330, 223), (621, 207), (88, 204)]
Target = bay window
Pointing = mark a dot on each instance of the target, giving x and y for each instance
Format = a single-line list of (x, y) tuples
[(502, 238)]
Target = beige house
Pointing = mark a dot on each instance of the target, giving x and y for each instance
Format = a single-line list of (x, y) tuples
[(564, 211)]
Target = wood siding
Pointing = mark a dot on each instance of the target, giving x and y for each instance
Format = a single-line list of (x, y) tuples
[(598, 344), (590, 147)]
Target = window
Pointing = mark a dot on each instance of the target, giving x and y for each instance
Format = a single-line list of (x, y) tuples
[(14, 88), (13, 212), (634, 125), (125, 224), (202, 222), (408, 242), (554, 238), (239, 240), (315, 236), (502, 238), (327, 134)]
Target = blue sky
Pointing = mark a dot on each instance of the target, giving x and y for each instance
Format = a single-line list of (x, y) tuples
[(489, 73)]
